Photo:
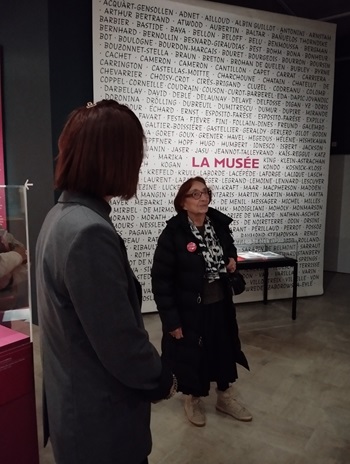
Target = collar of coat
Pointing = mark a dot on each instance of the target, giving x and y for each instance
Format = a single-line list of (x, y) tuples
[(99, 205), (214, 215)]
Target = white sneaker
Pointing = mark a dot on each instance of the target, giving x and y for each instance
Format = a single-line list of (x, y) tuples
[(227, 403), (194, 409)]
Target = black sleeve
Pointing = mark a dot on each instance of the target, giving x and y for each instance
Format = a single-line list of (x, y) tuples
[(163, 281), (162, 391)]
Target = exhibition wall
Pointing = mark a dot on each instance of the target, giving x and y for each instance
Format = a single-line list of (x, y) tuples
[(26, 107), (47, 71), (337, 243), (238, 96)]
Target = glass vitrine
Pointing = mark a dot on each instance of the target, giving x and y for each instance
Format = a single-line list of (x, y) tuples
[(15, 297)]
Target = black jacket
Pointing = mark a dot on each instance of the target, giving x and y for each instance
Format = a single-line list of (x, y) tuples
[(178, 277)]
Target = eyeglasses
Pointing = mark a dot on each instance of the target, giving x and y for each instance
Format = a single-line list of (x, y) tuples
[(197, 194)]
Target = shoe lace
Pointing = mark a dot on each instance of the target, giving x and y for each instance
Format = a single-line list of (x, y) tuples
[(239, 408), (198, 409)]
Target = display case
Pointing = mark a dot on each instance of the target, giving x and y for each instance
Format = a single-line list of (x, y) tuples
[(267, 250), (18, 426), (15, 297)]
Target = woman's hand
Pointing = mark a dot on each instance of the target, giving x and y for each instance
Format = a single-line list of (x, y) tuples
[(231, 266), (177, 333)]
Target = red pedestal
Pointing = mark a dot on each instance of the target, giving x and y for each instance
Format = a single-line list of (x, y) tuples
[(18, 427)]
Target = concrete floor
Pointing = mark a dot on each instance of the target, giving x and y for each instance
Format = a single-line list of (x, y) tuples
[(298, 389)]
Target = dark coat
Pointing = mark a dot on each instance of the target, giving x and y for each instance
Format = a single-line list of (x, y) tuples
[(178, 277), (100, 369)]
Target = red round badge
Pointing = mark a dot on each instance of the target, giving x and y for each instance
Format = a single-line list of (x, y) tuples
[(191, 247)]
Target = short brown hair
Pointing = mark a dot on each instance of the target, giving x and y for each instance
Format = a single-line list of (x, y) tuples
[(183, 191), (101, 149)]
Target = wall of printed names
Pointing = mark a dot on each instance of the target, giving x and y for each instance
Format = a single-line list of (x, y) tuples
[(238, 96)]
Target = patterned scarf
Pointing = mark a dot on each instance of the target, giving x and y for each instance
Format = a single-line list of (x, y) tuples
[(211, 250)]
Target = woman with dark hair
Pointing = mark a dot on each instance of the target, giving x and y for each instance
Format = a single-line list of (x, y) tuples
[(100, 370), (190, 280)]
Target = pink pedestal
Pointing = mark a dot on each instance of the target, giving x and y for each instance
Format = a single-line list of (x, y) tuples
[(18, 427)]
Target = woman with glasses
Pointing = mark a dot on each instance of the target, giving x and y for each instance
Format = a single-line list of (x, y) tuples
[(190, 280)]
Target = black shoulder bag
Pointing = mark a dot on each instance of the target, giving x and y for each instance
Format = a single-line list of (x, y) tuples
[(237, 282)]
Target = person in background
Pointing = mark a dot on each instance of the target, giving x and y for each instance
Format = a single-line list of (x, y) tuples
[(100, 370), (12, 255), (190, 281), (13, 273)]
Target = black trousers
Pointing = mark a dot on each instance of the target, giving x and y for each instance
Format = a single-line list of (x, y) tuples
[(145, 461)]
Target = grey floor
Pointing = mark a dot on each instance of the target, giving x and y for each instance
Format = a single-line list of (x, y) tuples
[(298, 389)]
